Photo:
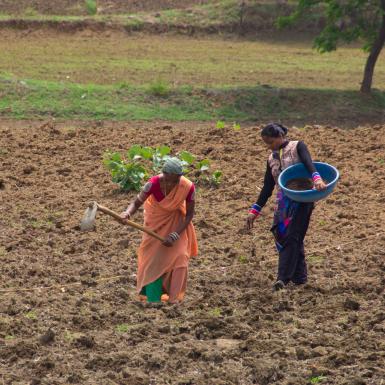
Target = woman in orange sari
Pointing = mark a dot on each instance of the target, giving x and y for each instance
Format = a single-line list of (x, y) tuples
[(169, 205)]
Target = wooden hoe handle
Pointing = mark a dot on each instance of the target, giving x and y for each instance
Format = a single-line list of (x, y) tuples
[(116, 216)]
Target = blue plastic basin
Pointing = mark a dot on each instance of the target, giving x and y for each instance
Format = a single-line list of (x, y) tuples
[(327, 172)]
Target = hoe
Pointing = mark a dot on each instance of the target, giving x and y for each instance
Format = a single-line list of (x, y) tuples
[(88, 221)]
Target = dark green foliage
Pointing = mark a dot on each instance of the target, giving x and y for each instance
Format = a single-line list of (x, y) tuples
[(140, 162)]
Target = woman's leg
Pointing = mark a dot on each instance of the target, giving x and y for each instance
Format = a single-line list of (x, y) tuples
[(300, 274), (153, 290), (288, 260), (177, 284), (292, 265)]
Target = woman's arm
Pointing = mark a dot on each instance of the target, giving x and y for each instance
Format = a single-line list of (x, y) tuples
[(190, 209), (132, 208), (139, 200), (268, 187), (305, 158)]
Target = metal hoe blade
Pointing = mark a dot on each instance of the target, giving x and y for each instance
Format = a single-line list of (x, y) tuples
[(88, 220)]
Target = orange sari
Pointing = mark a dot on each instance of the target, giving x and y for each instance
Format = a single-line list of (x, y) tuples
[(156, 260)]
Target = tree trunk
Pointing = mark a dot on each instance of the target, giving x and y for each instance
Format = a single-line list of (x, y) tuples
[(366, 84)]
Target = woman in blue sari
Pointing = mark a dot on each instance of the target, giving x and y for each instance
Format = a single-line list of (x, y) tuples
[(291, 219)]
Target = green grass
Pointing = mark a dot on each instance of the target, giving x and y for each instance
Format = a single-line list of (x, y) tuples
[(148, 78), (220, 15), (32, 15), (30, 12), (29, 99), (91, 7), (159, 88), (215, 13), (278, 62)]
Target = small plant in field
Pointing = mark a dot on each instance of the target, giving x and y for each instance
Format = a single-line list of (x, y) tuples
[(243, 259), (122, 328), (201, 169), (220, 124), (317, 379), (31, 315), (216, 312), (322, 222), (91, 7), (203, 165), (188, 159), (216, 178), (128, 175), (39, 224), (68, 336), (204, 261), (236, 126), (381, 161), (123, 86), (159, 88), (9, 337), (30, 12), (72, 336), (130, 172), (314, 259)]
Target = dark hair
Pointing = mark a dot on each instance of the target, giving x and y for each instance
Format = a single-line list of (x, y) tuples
[(274, 130)]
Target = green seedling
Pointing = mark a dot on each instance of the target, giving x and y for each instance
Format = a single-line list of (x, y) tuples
[(243, 259), (220, 124), (31, 315), (216, 312), (122, 328), (317, 379)]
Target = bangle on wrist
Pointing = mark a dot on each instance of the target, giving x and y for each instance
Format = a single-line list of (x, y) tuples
[(174, 236), (255, 209), (315, 176)]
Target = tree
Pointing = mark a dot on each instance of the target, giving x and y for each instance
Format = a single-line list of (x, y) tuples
[(346, 21)]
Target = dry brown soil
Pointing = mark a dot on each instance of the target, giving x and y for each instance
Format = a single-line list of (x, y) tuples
[(68, 309)]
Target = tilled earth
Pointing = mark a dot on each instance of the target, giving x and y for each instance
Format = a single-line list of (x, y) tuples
[(69, 312)]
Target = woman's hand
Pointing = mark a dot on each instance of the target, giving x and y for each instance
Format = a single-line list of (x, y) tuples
[(250, 221), (171, 239), (168, 242), (125, 215), (319, 185)]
